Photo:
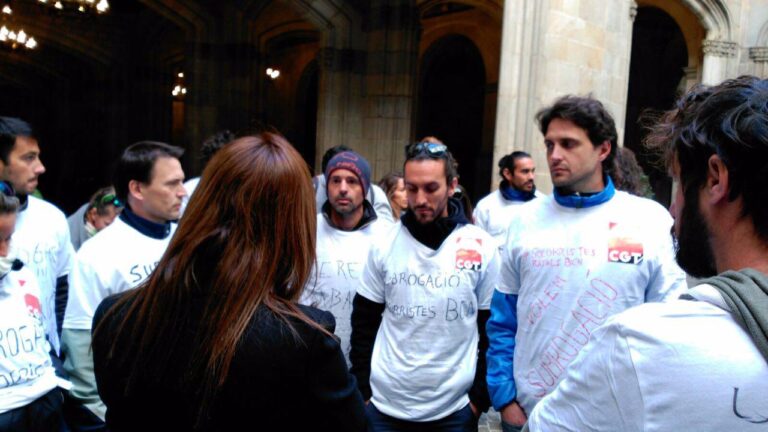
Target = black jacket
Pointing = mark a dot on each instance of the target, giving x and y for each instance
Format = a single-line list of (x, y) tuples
[(276, 381)]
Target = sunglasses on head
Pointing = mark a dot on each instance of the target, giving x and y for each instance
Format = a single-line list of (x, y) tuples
[(431, 148), (110, 199)]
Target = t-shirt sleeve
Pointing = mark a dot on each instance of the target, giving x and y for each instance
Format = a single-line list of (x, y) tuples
[(86, 291), (66, 257), (667, 280), (600, 392), (372, 280), (489, 279)]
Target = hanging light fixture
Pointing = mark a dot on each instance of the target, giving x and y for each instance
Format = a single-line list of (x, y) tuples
[(179, 90), (11, 36), (80, 6)]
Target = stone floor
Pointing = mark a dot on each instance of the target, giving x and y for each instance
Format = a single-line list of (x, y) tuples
[(489, 422)]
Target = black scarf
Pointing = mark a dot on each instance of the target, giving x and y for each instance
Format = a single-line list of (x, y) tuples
[(434, 233)]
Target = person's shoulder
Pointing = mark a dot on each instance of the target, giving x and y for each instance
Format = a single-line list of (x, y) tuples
[(644, 207), (106, 242), (45, 209), (477, 232), (107, 304), (324, 318), (488, 200), (661, 318)]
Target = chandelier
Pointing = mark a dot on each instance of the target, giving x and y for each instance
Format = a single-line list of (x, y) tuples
[(14, 37), (98, 6)]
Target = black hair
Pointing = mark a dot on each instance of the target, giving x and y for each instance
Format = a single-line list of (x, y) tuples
[(510, 160), (587, 113), (730, 120), (451, 166), (214, 143), (10, 129), (137, 162), (331, 152)]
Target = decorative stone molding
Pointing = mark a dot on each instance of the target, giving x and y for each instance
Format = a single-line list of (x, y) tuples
[(632, 10), (720, 48), (759, 54)]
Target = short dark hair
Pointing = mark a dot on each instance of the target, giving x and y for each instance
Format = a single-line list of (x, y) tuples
[(137, 161), (510, 160), (10, 128), (730, 120), (450, 164), (331, 152), (587, 113), (9, 203), (214, 143)]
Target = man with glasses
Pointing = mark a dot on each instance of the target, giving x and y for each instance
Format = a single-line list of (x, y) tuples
[(94, 216), (41, 238), (149, 180), (571, 260), (418, 319)]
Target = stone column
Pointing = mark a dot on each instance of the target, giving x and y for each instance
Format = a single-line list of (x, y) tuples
[(759, 55), (518, 81), (717, 54), (390, 83), (552, 48)]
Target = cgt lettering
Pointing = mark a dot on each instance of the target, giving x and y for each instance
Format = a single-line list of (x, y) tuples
[(626, 257), (463, 264)]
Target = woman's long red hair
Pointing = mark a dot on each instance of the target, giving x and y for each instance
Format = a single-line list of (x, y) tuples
[(247, 239)]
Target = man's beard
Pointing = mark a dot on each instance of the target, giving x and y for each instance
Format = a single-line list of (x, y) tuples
[(693, 250)]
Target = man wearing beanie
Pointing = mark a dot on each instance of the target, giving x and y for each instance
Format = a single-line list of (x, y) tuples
[(418, 318), (346, 228), (375, 196)]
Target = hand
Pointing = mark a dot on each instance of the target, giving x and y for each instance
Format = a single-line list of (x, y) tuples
[(513, 414), (474, 409)]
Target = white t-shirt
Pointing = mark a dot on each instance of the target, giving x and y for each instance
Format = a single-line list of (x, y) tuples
[(676, 366), (42, 243), (494, 214), (26, 372), (572, 269), (341, 256), (117, 259), (425, 352)]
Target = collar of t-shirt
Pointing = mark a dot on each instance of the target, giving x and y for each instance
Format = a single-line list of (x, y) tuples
[(144, 226), (583, 200), (369, 215), (434, 233), (511, 194)]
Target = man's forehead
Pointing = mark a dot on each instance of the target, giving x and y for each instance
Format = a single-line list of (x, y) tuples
[(25, 144), (341, 173), (166, 166)]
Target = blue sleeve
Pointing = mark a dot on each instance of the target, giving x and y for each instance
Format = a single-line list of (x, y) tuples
[(501, 328)]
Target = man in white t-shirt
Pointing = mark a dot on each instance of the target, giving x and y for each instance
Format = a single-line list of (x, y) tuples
[(375, 194), (494, 212), (699, 363), (346, 229), (42, 237), (571, 260), (149, 180), (418, 319)]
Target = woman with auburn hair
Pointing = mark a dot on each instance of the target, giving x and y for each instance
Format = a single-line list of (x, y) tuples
[(214, 339)]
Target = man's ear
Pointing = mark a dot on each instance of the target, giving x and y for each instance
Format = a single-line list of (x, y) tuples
[(135, 189), (452, 186), (717, 183), (604, 149), (507, 174)]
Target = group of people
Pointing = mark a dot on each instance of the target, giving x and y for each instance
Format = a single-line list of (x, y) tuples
[(270, 298)]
